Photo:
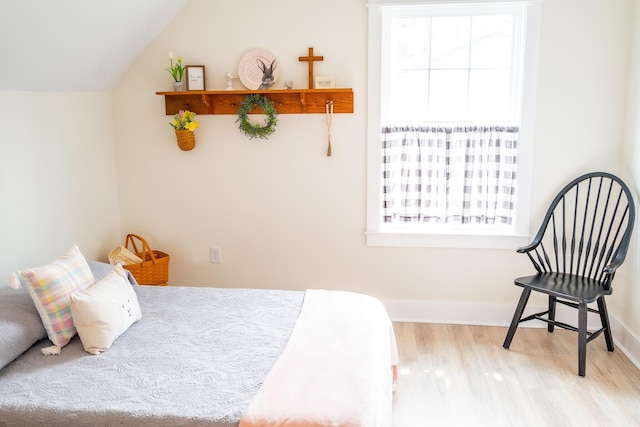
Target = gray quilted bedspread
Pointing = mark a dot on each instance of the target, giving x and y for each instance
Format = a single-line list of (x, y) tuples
[(197, 358)]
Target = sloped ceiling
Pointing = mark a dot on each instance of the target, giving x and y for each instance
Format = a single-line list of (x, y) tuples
[(76, 45)]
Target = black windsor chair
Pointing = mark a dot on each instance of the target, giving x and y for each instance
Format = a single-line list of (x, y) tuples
[(582, 241)]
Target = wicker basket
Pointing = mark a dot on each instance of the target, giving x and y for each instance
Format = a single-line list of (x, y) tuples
[(154, 268), (186, 139)]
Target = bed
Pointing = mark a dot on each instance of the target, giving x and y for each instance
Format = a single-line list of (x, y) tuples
[(206, 357)]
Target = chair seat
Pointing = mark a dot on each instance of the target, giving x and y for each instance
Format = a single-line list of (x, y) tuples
[(567, 286)]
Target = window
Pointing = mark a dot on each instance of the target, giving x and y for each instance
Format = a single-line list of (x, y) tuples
[(451, 96)]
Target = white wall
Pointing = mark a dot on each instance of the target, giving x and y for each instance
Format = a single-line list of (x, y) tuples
[(626, 296), (288, 217), (582, 86), (57, 179)]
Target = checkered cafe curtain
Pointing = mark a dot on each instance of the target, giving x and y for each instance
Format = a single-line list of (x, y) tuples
[(449, 175)]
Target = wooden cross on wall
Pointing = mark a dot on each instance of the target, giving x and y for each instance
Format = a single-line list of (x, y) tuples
[(310, 59)]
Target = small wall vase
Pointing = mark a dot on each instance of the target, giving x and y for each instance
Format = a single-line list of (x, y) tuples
[(186, 139)]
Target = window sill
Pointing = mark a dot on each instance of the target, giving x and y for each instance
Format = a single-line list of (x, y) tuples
[(458, 240)]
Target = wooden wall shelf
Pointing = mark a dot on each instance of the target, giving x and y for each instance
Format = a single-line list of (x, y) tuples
[(294, 101)]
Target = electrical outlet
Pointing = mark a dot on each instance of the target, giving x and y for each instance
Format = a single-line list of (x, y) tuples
[(215, 254)]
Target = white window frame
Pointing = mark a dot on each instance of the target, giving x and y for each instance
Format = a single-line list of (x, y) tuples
[(467, 236)]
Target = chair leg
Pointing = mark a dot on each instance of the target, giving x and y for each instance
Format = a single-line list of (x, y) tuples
[(604, 318), (582, 338), (517, 316), (552, 312)]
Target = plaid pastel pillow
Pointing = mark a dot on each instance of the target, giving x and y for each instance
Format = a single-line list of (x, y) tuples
[(51, 287)]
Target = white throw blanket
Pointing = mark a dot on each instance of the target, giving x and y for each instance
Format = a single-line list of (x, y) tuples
[(336, 369)]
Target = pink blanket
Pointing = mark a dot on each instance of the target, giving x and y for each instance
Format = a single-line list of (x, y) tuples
[(336, 369)]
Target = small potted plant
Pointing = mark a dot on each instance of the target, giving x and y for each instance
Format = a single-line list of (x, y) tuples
[(177, 71), (184, 124)]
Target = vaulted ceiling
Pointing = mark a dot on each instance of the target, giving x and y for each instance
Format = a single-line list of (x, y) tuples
[(76, 45)]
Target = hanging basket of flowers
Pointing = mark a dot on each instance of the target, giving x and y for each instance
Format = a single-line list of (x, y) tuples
[(186, 139), (184, 124)]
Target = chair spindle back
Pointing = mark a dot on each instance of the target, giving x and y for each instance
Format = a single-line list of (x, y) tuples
[(586, 228)]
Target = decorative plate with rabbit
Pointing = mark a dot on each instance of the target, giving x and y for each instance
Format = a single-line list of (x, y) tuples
[(258, 69)]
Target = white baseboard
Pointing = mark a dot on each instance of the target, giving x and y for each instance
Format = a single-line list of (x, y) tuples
[(501, 315), (451, 313), (625, 340)]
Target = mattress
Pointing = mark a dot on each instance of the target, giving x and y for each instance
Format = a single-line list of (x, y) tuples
[(197, 357)]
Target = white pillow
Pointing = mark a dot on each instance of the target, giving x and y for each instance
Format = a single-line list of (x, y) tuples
[(105, 310)]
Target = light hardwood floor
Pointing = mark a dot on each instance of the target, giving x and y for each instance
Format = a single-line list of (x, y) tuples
[(457, 375)]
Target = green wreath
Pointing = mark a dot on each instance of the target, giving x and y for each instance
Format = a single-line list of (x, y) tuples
[(253, 131)]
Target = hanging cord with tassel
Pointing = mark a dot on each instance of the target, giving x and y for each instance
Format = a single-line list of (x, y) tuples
[(329, 110)]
